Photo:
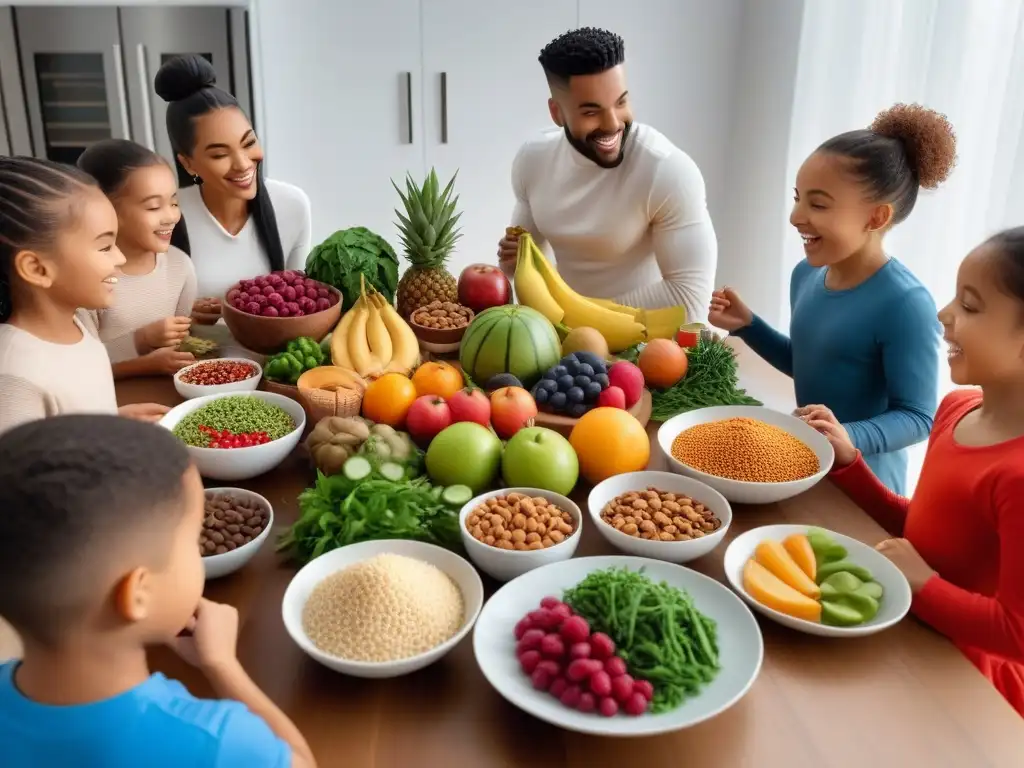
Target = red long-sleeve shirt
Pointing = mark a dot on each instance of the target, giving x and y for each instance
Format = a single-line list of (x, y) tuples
[(966, 520)]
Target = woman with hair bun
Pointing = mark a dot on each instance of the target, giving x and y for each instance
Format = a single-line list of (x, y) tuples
[(239, 224), (864, 338)]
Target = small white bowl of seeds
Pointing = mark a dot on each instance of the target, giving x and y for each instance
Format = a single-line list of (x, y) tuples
[(236, 525)]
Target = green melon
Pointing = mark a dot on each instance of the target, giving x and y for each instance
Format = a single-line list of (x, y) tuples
[(509, 339)]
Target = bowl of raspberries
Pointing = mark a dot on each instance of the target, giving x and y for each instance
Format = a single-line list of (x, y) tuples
[(266, 312)]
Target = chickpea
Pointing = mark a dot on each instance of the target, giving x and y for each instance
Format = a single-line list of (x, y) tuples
[(518, 522)]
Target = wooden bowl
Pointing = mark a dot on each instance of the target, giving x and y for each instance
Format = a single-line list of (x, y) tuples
[(208, 318), (268, 335), (441, 336)]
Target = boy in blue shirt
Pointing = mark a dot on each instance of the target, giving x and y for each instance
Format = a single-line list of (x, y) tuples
[(99, 558)]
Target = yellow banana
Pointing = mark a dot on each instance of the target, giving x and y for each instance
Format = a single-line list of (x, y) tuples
[(358, 346), (339, 341), (620, 330), (405, 346), (663, 323), (620, 308), (531, 290), (377, 336)]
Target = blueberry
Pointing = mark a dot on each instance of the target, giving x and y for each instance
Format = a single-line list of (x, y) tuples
[(575, 395), (554, 373), (557, 400), (566, 381), (582, 381), (586, 369), (592, 391), (577, 409), (548, 385), (540, 395), (602, 379)]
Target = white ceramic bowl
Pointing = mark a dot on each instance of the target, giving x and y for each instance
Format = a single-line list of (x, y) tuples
[(739, 491), (189, 391), (303, 583), (895, 599), (670, 551), (506, 564), (740, 647), (241, 463), (221, 565)]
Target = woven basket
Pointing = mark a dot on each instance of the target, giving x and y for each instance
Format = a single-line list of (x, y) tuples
[(321, 403)]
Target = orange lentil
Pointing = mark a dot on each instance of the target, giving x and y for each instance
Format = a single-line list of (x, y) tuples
[(745, 449)]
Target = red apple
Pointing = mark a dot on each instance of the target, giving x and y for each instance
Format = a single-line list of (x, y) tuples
[(612, 397), (629, 379), (512, 408), (482, 286), (427, 416), (470, 405)]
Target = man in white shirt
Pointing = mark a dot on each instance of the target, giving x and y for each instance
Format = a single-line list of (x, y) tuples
[(622, 208)]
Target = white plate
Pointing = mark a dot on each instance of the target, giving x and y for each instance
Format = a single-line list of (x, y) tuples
[(740, 646), (315, 571), (895, 600)]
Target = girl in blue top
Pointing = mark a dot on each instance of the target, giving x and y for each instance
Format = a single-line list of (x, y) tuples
[(864, 338)]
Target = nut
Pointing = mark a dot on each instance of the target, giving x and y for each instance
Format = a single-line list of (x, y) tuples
[(659, 516), (519, 523), (442, 315)]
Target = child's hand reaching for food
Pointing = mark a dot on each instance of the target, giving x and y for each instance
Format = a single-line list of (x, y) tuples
[(728, 311), (210, 638), (151, 412), (823, 420), (166, 332), (903, 555)]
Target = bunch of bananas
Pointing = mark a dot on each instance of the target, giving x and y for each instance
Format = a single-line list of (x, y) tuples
[(539, 286), (373, 339)]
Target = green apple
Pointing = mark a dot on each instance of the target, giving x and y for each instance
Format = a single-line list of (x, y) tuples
[(466, 453), (537, 457)]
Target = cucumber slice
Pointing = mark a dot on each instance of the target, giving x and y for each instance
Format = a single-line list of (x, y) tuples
[(456, 495), (392, 471), (357, 468)]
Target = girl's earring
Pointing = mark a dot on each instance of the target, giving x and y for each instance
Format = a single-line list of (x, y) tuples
[(196, 179)]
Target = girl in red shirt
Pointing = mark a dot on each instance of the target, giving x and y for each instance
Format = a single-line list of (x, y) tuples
[(961, 537)]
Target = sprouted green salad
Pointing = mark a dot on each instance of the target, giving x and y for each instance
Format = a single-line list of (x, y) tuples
[(238, 421)]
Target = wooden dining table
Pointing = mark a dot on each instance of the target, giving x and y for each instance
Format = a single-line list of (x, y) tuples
[(903, 697)]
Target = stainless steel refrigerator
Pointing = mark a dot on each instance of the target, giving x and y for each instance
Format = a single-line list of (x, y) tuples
[(74, 75)]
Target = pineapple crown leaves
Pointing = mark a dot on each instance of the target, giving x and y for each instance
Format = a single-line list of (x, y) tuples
[(428, 226)]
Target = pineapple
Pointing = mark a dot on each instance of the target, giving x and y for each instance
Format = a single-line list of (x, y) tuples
[(429, 233)]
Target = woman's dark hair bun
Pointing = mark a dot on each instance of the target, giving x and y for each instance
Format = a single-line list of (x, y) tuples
[(928, 137), (182, 76)]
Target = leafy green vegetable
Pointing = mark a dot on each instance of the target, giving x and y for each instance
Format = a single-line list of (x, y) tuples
[(349, 254), (711, 379), (340, 510), (660, 635)]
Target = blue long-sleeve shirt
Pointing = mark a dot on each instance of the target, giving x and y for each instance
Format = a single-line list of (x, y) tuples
[(870, 353)]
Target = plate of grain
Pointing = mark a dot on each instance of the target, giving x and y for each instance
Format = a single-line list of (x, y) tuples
[(749, 454), (383, 608)]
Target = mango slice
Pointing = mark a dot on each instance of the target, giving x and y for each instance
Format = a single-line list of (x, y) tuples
[(799, 548), (774, 593), (776, 559)]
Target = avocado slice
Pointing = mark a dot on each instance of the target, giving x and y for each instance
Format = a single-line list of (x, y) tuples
[(841, 583), (826, 549), (839, 615), (839, 566), (871, 589)]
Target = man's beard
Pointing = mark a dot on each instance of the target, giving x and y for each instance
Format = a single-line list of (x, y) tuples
[(586, 147)]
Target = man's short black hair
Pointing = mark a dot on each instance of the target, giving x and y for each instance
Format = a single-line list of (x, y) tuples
[(584, 51), (74, 492)]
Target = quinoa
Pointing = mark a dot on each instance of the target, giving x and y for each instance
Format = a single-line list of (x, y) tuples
[(386, 608), (236, 414), (745, 449)]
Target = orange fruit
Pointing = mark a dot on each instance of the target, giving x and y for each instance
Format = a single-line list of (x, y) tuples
[(439, 379), (609, 441), (663, 363), (387, 399)]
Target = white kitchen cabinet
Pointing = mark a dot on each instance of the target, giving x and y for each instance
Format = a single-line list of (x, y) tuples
[(341, 90), (484, 95)]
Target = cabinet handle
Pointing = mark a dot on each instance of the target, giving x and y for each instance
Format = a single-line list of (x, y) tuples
[(444, 107), (147, 109), (408, 102), (122, 96)]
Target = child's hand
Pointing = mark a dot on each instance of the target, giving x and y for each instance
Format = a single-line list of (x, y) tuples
[(728, 311), (823, 420), (213, 635), (151, 412), (168, 360), (903, 555), (166, 332)]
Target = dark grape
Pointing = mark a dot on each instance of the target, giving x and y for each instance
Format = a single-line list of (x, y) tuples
[(586, 369), (572, 357), (540, 395), (602, 379), (558, 400), (582, 381), (554, 373), (571, 365), (594, 361), (549, 385), (592, 391), (577, 409), (566, 381), (575, 395)]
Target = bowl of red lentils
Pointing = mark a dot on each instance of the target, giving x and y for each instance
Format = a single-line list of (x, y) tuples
[(212, 377)]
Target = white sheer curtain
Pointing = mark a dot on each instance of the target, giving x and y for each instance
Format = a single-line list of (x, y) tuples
[(964, 58)]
